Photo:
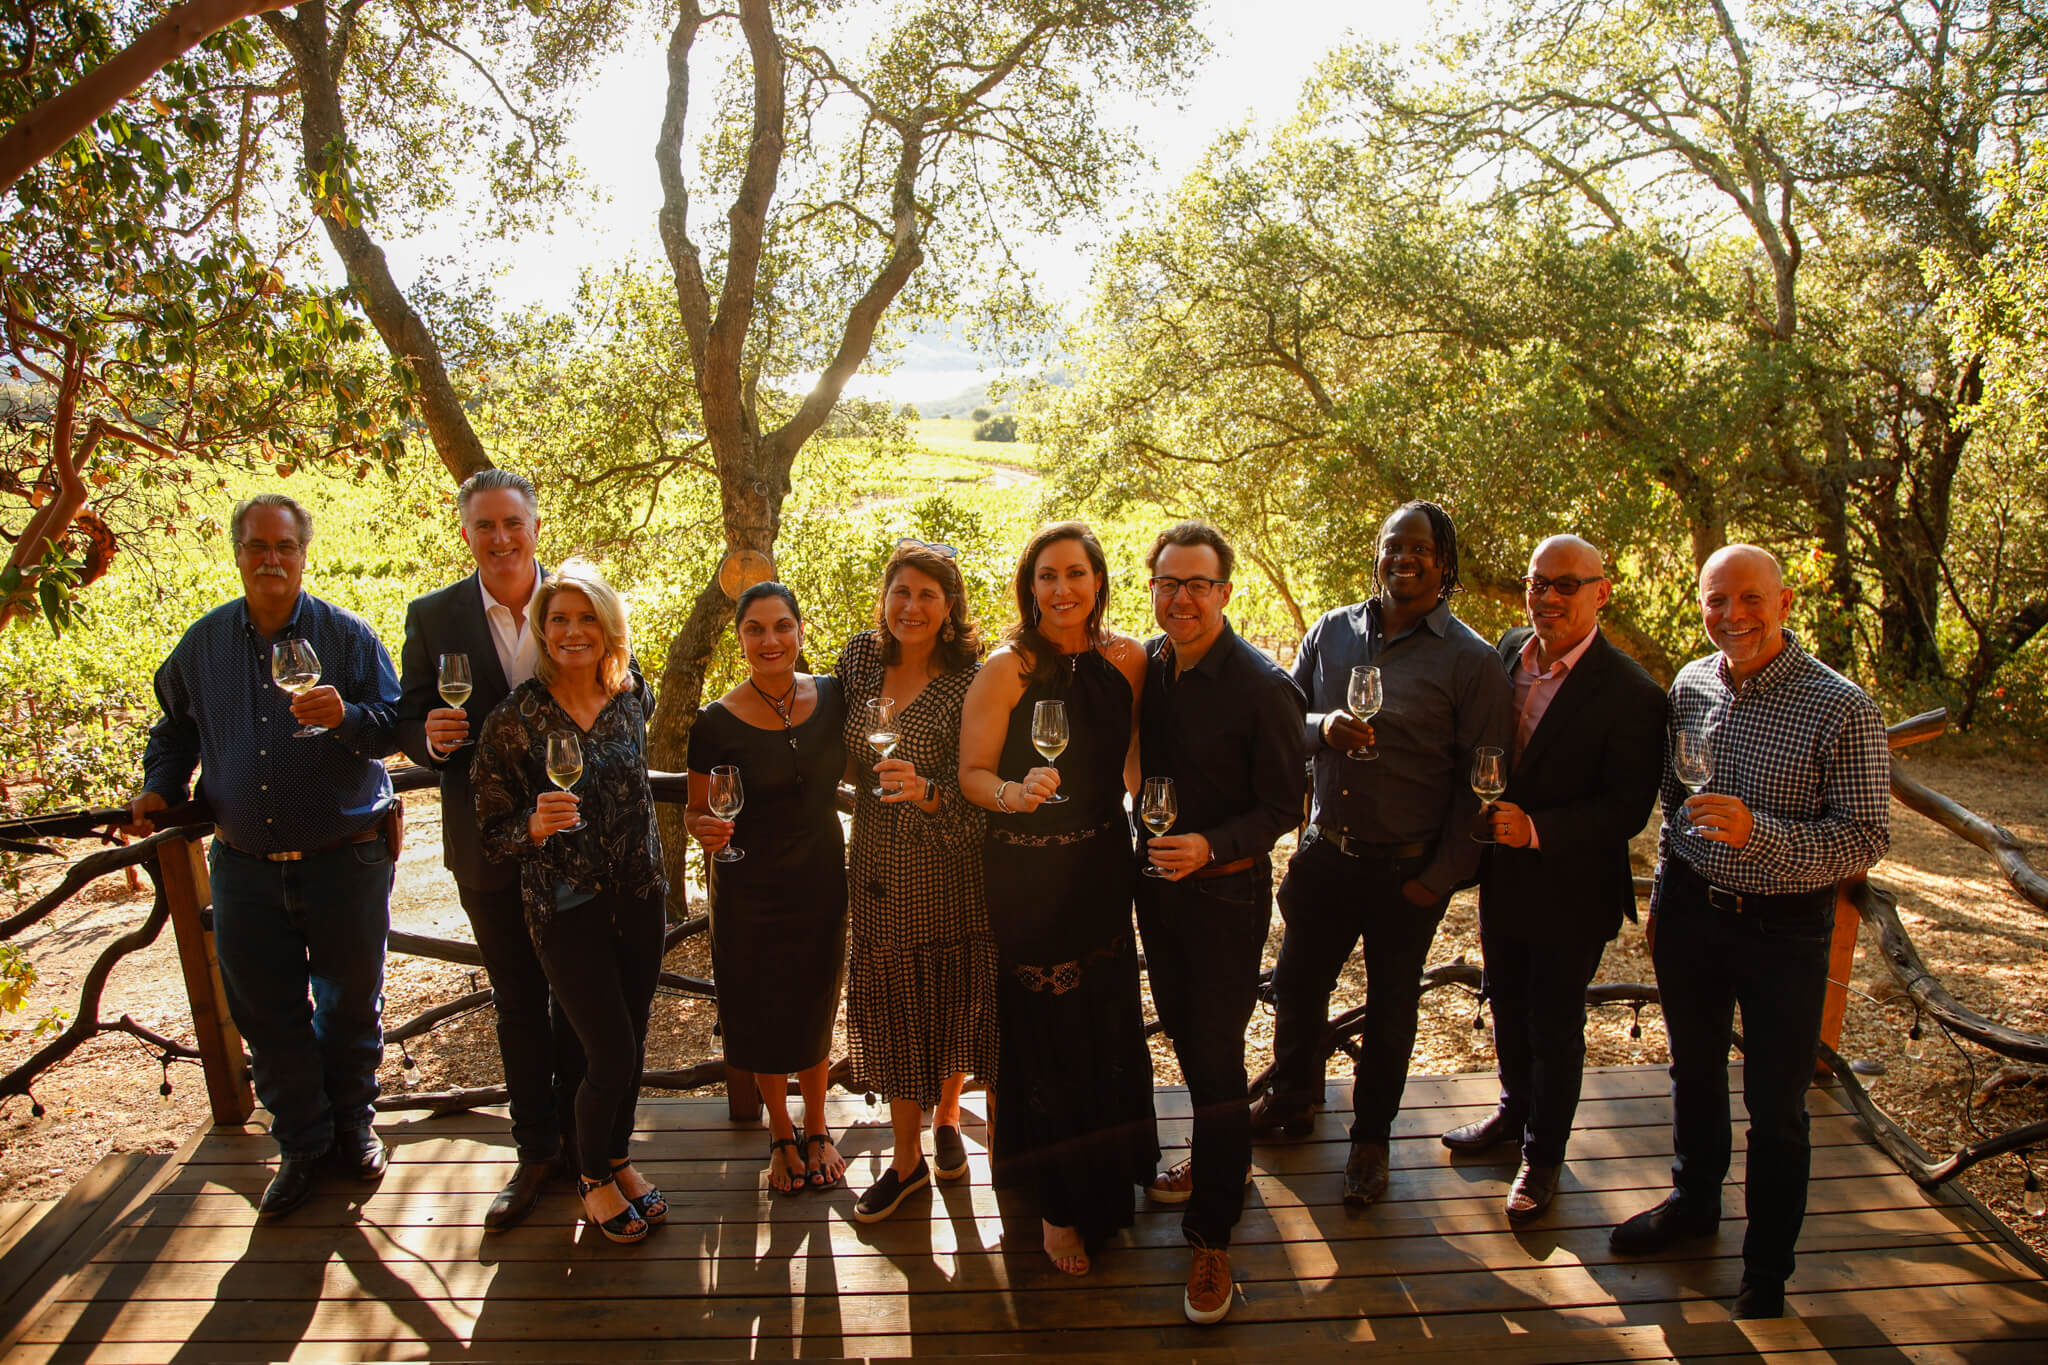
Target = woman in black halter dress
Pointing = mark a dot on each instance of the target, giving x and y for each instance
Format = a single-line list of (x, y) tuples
[(1074, 1122)]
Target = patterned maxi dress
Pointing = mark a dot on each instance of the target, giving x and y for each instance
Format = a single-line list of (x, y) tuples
[(921, 982)]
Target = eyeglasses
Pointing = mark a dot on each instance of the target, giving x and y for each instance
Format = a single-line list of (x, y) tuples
[(257, 549), (944, 551), (1198, 588), (1536, 583)]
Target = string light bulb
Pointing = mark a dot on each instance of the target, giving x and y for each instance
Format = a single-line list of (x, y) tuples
[(1916, 1041), (2032, 1199)]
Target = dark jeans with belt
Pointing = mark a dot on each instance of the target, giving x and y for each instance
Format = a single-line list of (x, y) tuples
[(1203, 940), (603, 958), (543, 1061), (1538, 991), (1332, 900), (301, 948), (1774, 964)]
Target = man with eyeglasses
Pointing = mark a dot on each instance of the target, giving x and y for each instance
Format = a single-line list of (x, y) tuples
[(302, 856), (1224, 724), (1588, 750), (1389, 838)]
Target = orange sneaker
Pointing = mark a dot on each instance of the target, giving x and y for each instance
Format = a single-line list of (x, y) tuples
[(1209, 1286), (1174, 1185)]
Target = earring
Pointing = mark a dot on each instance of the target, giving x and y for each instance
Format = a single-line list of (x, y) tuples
[(946, 632)]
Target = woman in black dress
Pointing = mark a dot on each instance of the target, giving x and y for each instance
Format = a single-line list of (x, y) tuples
[(778, 914), (592, 892), (1075, 1125), (921, 983)]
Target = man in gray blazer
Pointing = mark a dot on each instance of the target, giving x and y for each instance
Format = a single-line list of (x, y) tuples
[(1588, 751), (483, 617)]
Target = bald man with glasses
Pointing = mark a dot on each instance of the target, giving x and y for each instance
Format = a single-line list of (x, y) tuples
[(1583, 773)]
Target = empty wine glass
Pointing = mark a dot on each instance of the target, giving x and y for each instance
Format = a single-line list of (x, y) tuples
[(726, 798), (1489, 779), (880, 720), (1692, 761), (455, 684), (565, 767), (1158, 808), (1362, 699), (296, 668), (1049, 736)]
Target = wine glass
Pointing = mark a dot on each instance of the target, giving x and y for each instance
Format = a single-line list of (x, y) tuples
[(1049, 737), (455, 681), (296, 668), (1362, 699), (1489, 779), (880, 720), (726, 798), (1692, 760), (565, 767), (1158, 808)]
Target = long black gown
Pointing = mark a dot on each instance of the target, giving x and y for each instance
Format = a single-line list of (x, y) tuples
[(778, 915), (1074, 1126)]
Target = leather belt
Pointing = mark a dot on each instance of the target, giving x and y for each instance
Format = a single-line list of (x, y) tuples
[(1235, 865), (361, 836), (1359, 848), (1746, 902)]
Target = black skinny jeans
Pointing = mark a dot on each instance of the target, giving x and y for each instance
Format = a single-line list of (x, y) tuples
[(602, 958)]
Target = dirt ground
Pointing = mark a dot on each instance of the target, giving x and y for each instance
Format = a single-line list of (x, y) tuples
[(1985, 942)]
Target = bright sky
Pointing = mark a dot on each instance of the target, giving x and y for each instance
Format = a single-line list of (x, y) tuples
[(1263, 51)]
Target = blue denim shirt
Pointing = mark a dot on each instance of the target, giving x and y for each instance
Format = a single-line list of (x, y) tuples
[(272, 793)]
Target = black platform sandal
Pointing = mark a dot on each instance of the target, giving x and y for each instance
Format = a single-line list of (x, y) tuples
[(625, 1226), (651, 1206)]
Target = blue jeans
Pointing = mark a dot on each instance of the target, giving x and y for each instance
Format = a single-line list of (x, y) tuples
[(1775, 966), (301, 949)]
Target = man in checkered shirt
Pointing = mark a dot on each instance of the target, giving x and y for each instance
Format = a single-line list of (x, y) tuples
[(1799, 798)]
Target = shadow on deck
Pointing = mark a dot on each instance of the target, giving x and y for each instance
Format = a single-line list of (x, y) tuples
[(178, 1270)]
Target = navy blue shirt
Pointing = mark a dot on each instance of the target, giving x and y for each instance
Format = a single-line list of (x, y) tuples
[(270, 792)]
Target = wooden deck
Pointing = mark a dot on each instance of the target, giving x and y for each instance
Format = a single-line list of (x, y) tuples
[(181, 1272)]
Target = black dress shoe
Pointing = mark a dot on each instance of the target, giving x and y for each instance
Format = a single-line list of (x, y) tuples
[(1365, 1174), (521, 1193), (1534, 1188), (1760, 1299), (1491, 1131), (1654, 1229), (1270, 1113), (292, 1184), (361, 1153)]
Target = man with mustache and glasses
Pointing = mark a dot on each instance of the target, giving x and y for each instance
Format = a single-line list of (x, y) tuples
[(302, 858), (1389, 839), (1589, 732), (1223, 724), (1799, 797)]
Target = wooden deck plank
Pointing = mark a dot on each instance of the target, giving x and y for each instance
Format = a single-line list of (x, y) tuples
[(18, 1217)]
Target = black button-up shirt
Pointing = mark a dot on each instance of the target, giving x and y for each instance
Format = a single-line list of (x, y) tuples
[(1229, 733), (1444, 694)]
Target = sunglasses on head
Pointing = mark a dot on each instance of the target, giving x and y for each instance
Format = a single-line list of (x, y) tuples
[(942, 550)]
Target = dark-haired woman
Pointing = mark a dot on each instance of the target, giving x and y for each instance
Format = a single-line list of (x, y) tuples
[(778, 914), (593, 892), (1075, 1126), (921, 982)]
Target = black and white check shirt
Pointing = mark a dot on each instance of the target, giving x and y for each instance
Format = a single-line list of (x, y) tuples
[(1805, 750)]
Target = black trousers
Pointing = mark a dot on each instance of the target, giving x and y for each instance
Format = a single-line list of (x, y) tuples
[(1203, 940), (543, 1061), (603, 958), (1331, 901), (1537, 988)]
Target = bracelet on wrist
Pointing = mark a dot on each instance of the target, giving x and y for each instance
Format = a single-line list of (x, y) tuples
[(1002, 805)]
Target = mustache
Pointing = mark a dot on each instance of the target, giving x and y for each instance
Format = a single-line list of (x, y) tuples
[(270, 571)]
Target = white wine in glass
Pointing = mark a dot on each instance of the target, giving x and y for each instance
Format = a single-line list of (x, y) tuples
[(1362, 699), (1158, 808), (880, 720), (1692, 761), (725, 799), (1489, 778), (1049, 737), (455, 683), (296, 668), (565, 767)]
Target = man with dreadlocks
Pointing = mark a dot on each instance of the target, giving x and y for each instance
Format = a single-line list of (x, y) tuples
[(1388, 839)]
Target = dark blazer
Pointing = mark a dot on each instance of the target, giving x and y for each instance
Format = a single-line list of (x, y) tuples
[(1587, 781), (452, 621)]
